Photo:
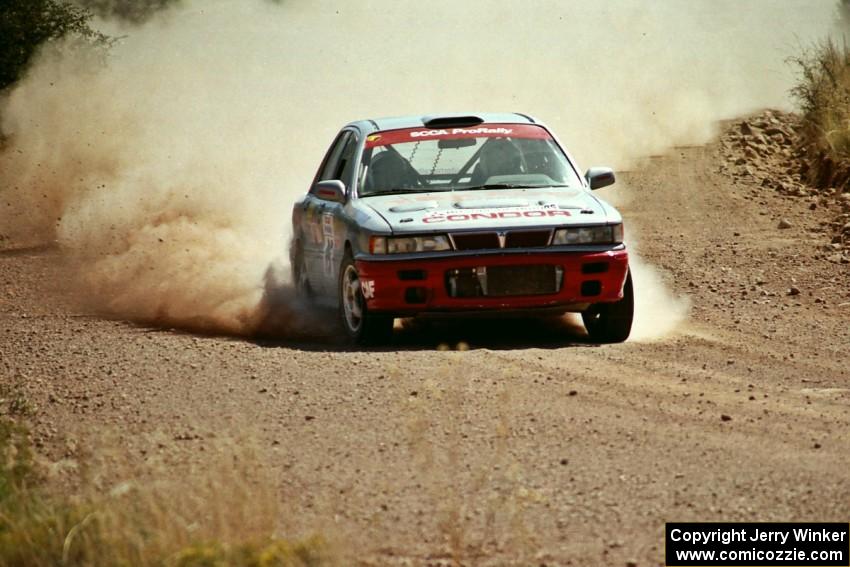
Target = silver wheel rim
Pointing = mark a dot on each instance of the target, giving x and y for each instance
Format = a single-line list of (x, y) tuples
[(352, 299)]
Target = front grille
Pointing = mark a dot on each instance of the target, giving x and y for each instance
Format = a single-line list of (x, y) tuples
[(476, 240), (527, 238), (497, 240), (504, 281)]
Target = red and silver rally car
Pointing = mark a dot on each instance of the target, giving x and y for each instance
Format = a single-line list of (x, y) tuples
[(459, 214)]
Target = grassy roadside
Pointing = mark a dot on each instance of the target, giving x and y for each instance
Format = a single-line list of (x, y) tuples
[(823, 94), (224, 516)]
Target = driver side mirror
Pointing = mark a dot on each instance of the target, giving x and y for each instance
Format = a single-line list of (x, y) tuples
[(330, 190), (598, 177)]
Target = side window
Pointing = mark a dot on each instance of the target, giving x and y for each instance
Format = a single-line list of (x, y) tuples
[(330, 168), (346, 163)]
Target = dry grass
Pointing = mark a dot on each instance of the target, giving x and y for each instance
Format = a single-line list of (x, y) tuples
[(480, 510), (823, 93), (222, 515)]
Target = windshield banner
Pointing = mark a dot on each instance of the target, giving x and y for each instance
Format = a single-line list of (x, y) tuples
[(529, 131)]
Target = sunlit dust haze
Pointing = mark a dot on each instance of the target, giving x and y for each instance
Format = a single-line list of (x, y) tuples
[(166, 170)]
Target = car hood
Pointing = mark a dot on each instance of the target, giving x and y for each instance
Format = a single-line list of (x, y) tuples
[(502, 208)]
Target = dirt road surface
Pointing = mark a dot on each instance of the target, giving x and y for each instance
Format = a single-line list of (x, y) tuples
[(531, 447)]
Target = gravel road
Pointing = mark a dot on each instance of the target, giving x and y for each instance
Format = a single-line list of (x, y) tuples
[(498, 442)]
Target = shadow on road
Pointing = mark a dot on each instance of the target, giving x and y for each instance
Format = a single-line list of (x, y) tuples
[(291, 321), (459, 333), (492, 332)]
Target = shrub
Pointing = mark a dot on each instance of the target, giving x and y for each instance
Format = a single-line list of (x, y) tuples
[(823, 95), (135, 11), (27, 24)]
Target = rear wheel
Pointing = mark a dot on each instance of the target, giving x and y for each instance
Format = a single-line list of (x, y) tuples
[(360, 325), (611, 322)]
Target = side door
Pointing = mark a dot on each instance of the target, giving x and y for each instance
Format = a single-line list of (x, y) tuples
[(325, 228)]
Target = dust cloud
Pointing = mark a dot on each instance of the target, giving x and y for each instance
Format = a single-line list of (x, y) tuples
[(166, 169)]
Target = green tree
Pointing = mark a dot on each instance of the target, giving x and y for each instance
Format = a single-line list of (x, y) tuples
[(26, 24), (135, 11)]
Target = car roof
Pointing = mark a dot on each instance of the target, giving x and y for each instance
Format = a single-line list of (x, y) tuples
[(398, 122)]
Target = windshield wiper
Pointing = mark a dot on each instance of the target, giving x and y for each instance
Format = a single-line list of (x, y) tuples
[(400, 191), (508, 186)]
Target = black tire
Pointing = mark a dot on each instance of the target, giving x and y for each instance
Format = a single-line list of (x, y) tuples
[(359, 325), (611, 322)]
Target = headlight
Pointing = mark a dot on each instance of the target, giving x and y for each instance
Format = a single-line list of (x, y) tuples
[(409, 244), (610, 234)]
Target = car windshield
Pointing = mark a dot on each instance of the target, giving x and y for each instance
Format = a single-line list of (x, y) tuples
[(492, 156)]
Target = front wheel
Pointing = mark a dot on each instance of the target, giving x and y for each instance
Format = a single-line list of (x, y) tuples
[(611, 322), (360, 326)]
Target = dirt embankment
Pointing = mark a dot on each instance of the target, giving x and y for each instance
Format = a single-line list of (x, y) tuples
[(768, 150)]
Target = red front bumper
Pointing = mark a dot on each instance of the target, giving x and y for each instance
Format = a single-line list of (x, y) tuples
[(588, 277)]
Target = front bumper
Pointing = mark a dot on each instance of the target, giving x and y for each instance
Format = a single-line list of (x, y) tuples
[(411, 286)]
